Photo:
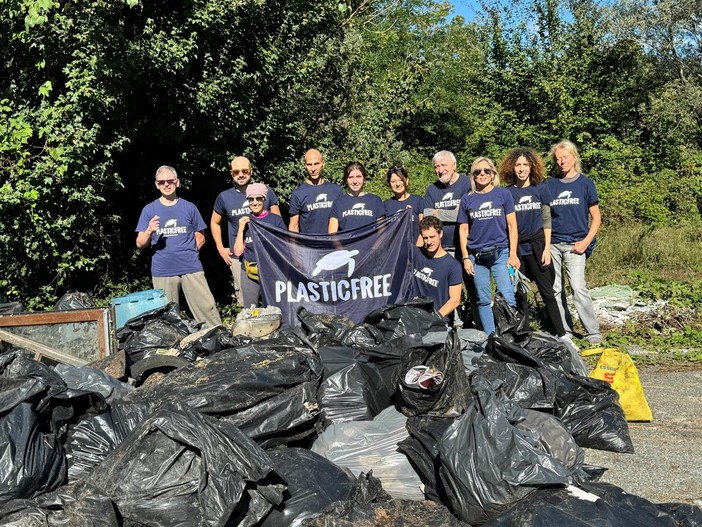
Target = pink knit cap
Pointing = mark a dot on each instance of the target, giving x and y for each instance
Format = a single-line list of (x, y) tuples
[(256, 189)]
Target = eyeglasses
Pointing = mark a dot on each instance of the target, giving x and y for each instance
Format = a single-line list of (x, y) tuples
[(478, 171), (164, 182), (245, 171), (259, 199)]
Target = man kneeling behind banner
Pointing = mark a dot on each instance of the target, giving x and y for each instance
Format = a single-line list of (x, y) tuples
[(349, 273)]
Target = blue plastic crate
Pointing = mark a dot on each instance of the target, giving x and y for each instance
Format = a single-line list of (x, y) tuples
[(130, 306)]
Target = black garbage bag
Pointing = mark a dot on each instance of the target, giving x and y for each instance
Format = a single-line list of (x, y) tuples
[(36, 408), (590, 410), (180, 467), (267, 389), (433, 380), (587, 407), (70, 506), (416, 317), (89, 442), (594, 505), (93, 380), (208, 341), (162, 327), (313, 483), (493, 455), (352, 388), (372, 506), (75, 300), (554, 352), (33, 460), (510, 323), (533, 388), (324, 329)]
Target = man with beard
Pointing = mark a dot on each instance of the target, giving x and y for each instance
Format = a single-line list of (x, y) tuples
[(233, 204)]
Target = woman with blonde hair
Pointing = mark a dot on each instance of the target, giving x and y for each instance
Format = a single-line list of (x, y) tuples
[(575, 219), (522, 170), (488, 235)]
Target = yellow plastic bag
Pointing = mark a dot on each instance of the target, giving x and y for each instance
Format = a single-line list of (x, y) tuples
[(617, 368)]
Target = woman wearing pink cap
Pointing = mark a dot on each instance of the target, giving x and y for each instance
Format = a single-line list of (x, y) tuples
[(243, 245)]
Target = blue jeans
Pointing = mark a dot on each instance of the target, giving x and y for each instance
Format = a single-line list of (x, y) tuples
[(498, 268)]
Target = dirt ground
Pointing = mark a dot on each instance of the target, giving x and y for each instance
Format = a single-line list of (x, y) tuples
[(667, 465)]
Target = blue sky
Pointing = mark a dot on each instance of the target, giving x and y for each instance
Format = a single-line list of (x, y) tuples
[(466, 8)]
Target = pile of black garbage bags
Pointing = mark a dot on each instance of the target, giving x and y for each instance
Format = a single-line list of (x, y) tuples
[(394, 421)]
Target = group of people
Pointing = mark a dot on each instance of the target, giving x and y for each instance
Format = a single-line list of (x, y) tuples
[(469, 231)]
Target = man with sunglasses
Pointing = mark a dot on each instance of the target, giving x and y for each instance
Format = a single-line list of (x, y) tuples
[(311, 202), (233, 205), (174, 228)]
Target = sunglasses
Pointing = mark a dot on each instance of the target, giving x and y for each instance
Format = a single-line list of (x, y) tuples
[(478, 171), (259, 199), (245, 171), (164, 182)]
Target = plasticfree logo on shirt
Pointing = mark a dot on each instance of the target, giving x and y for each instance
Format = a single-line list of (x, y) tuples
[(359, 209), (565, 198), (320, 202), (485, 211), (447, 202), (352, 288), (242, 211), (170, 228), (527, 203), (425, 276)]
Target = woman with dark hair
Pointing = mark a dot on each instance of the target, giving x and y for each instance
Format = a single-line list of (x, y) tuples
[(488, 234), (522, 170), (356, 208), (398, 181), (575, 219)]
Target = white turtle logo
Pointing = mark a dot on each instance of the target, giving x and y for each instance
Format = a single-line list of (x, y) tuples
[(525, 199), (427, 271), (170, 223), (359, 206), (246, 203), (486, 205), (565, 195), (447, 196), (335, 260), (321, 197)]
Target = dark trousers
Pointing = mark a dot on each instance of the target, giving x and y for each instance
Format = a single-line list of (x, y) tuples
[(544, 279)]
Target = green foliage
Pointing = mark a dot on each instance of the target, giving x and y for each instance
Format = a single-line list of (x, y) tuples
[(98, 94)]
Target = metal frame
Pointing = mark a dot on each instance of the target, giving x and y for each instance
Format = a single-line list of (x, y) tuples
[(103, 317)]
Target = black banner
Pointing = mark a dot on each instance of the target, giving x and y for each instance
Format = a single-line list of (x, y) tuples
[(350, 273)]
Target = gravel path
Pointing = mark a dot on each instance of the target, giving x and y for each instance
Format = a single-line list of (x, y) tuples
[(667, 465)]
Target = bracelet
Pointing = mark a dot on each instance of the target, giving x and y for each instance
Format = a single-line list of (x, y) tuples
[(466, 258)]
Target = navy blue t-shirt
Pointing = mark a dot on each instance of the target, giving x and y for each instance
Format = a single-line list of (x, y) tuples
[(313, 204), (356, 211), (434, 276), (232, 203), (416, 203), (175, 248), (570, 208), (486, 216), (249, 249), (527, 205), (448, 197)]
